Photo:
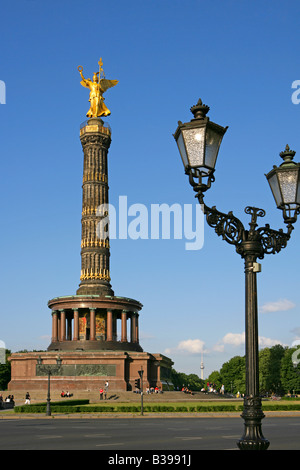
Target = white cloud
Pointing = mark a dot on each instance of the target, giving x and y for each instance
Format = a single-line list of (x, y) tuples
[(238, 339), (267, 342), (234, 339), (296, 332), (193, 346), (197, 346), (279, 306), (219, 347), (190, 346)]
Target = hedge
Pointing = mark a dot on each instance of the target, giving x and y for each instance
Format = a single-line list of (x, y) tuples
[(282, 407), (41, 407), (79, 406)]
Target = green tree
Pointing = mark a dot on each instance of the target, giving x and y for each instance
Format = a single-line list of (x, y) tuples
[(194, 382), (233, 375), (5, 372), (290, 375), (180, 379), (215, 378), (269, 369)]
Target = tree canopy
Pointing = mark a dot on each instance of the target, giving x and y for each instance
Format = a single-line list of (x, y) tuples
[(5, 372), (277, 373)]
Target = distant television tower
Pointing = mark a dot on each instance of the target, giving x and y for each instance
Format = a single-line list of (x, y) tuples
[(202, 366)]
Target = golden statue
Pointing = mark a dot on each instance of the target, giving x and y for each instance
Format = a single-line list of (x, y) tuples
[(97, 88)]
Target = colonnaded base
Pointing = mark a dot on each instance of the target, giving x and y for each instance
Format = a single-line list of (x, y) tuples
[(97, 339), (95, 322), (88, 370)]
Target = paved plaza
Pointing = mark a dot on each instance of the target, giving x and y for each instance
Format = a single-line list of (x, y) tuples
[(158, 434)]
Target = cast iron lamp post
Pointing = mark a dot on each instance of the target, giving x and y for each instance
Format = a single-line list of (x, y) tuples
[(198, 143), (50, 369), (141, 373)]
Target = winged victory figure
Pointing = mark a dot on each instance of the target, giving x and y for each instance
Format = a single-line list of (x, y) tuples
[(97, 87)]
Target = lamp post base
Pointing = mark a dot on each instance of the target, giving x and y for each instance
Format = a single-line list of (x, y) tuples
[(253, 438), (48, 408)]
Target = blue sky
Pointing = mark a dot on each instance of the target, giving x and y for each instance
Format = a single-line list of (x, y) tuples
[(241, 58)]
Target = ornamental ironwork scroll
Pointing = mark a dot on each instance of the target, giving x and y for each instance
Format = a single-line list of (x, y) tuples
[(232, 230)]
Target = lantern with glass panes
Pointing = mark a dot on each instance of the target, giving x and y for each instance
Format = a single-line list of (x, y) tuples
[(284, 182)]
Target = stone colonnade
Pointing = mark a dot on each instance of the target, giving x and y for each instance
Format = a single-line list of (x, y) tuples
[(93, 324)]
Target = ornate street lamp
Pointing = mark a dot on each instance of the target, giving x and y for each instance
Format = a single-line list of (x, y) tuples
[(198, 142), (141, 373), (50, 369), (285, 185)]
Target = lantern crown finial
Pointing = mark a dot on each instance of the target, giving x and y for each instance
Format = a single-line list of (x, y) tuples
[(200, 110), (287, 155)]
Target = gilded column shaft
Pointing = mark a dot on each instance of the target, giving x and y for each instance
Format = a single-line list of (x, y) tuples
[(95, 253)]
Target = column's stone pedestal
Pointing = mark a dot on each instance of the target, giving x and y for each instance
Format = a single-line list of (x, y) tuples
[(88, 370)]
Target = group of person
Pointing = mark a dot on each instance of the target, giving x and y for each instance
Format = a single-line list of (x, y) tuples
[(66, 394), (187, 390), (8, 399), (212, 388), (153, 390), (28, 398)]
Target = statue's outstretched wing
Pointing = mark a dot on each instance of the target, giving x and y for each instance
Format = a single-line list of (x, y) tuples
[(105, 84)]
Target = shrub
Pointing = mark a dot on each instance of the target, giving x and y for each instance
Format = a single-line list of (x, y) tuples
[(59, 406)]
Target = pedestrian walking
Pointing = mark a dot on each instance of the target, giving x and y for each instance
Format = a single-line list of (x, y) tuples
[(105, 389), (27, 399)]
